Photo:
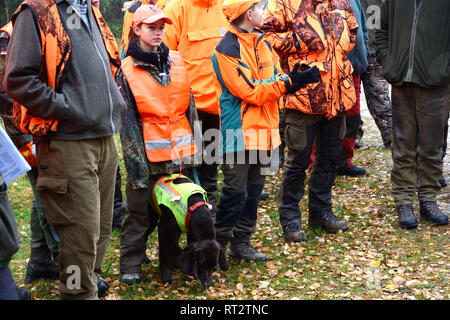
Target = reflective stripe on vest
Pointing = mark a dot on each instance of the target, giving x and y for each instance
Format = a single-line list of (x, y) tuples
[(166, 129), (175, 197), (167, 143)]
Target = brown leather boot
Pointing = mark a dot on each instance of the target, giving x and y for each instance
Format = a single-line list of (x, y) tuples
[(240, 248), (328, 222), (294, 233), (406, 217), (430, 212)]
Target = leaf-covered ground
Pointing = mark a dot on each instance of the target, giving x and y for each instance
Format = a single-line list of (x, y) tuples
[(375, 259)]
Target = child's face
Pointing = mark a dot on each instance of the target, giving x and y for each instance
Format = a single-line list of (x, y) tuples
[(150, 35), (257, 14)]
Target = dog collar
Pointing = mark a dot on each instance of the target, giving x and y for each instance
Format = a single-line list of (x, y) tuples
[(191, 209)]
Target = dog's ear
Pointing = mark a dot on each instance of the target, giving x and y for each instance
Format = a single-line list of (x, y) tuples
[(223, 263), (188, 259)]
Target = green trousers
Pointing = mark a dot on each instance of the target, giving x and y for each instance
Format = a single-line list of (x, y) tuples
[(76, 183), (40, 231), (419, 116)]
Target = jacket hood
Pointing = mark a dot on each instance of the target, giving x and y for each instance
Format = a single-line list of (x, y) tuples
[(234, 8)]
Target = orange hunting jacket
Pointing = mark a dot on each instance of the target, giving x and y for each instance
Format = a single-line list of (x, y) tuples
[(248, 85), (198, 25)]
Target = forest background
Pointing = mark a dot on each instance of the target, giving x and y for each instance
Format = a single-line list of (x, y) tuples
[(111, 10)]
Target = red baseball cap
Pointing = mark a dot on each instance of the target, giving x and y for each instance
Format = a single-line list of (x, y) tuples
[(149, 14)]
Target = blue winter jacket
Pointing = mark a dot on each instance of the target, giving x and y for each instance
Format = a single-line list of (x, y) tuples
[(358, 55)]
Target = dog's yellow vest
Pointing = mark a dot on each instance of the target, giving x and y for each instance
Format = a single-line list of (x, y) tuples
[(175, 197)]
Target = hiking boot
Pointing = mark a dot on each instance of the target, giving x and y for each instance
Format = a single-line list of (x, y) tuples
[(247, 252), (442, 182), (240, 248), (42, 270), (102, 287), (146, 259), (131, 278), (430, 212), (406, 217), (352, 171), (294, 233), (263, 196), (117, 222), (23, 294), (328, 222), (118, 215)]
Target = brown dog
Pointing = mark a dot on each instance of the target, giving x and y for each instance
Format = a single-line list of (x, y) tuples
[(203, 253)]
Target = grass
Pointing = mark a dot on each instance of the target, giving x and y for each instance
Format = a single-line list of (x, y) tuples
[(375, 259)]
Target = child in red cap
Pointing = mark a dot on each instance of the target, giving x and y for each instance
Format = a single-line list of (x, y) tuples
[(157, 128)]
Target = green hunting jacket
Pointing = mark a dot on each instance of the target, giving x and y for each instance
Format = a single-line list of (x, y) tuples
[(413, 42)]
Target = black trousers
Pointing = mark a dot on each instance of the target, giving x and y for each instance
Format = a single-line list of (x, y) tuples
[(301, 132)]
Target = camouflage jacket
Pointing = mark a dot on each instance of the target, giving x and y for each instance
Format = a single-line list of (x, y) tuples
[(136, 163), (6, 103), (315, 33)]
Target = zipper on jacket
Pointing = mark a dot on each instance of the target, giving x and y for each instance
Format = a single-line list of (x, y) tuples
[(412, 44), (105, 68), (245, 109), (333, 24), (245, 78), (91, 18)]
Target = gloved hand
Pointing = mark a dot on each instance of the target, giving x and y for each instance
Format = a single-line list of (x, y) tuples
[(301, 79)]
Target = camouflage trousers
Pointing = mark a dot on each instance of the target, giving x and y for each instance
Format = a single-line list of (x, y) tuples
[(376, 90)]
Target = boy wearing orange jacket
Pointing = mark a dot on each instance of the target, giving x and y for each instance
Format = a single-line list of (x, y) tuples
[(248, 85)]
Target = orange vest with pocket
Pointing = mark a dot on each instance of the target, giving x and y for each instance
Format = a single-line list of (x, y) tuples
[(56, 49), (166, 129)]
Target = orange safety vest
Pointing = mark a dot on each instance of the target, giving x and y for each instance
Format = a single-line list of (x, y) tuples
[(56, 50), (166, 129)]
